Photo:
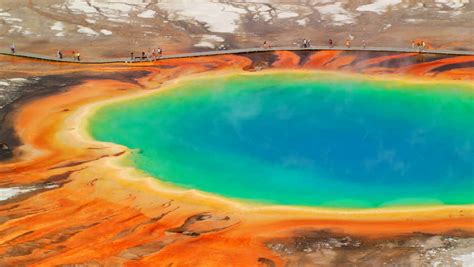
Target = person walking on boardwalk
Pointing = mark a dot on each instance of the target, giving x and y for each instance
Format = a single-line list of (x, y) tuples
[(348, 43), (266, 44), (306, 43), (148, 54), (13, 48), (78, 56), (418, 45), (160, 52), (364, 44), (413, 44), (59, 54), (131, 57), (331, 43), (143, 55)]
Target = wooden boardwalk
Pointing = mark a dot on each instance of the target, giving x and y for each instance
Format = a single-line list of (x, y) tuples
[(236, 52)]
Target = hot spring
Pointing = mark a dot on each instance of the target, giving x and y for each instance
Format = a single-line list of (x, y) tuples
[(297, 138)]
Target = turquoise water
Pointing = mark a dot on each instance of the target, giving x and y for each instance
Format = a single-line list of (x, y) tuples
[(304, 139)]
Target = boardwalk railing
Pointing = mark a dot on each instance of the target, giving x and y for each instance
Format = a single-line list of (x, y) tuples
[(241, 51)]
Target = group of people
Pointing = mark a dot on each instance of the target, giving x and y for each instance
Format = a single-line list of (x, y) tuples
[(347, 43), (154, 54), (150, 55), (222, 47), (331, 43), (266, 44), (306, 43), (59, 53), (75, 55), (419, 45)]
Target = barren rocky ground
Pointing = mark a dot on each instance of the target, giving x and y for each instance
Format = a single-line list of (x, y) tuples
[(111, 28), (325, 249)]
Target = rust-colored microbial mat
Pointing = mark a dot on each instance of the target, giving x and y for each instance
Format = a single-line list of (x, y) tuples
[(73, 201)]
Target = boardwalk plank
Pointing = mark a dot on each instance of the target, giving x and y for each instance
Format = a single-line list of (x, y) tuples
[(240, 51)]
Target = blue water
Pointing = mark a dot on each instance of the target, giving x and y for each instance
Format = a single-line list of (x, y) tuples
[(304, 139)]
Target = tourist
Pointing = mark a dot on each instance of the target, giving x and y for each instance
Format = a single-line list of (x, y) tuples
[(423, 45), (153, 54), (413, 44), (143, 55), (59, 54), (331, 43), (306, 43), (13, 48), (131, 57), (74, 54), (267, 44), (148, 54), (78, 56), (160, 52), (364, 44), (348, 43)]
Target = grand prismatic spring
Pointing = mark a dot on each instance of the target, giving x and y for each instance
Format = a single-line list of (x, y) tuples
[(315, 139), (278, 158)]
